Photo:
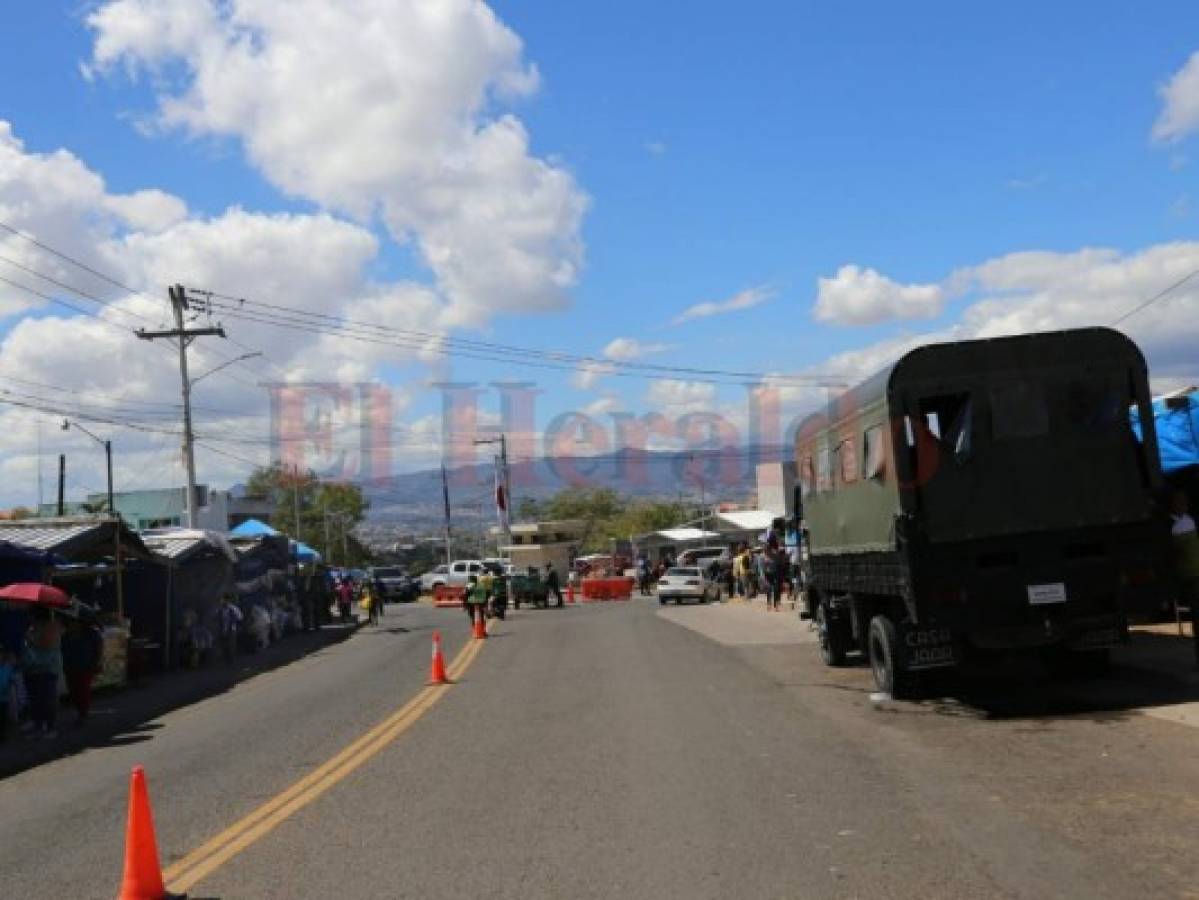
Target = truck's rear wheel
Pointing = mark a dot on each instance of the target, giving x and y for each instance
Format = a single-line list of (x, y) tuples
[(833, 645), (886, 658)]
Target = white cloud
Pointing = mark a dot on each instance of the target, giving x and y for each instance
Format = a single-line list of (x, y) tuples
[(857, 296), (746, 299), (625, 349), (374, 108), (655, 148), (1042, 291), (316, 263), (1027, 184), (601, 406), (149, 210), (673, 397), (588, 375), (1180, 103)]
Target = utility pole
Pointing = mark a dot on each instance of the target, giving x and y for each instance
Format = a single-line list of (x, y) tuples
[(295, 499), (502, 481), (107, 445), (39, 467), (62, 483), (445, 496), (184, 337), (507, 484), (112, 510), (328, 545)]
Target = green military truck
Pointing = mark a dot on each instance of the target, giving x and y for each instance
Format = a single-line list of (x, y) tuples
[(984, 495)]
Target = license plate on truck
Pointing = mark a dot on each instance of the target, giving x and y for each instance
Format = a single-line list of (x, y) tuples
[(1042, 594), (929, 648)]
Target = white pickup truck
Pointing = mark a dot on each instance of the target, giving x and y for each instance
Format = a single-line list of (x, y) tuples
[(456, 574)]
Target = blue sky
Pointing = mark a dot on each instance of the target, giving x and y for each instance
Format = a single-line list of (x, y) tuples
[(720, 150)]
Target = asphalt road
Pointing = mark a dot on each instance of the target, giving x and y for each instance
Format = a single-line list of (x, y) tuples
[(621, 750)]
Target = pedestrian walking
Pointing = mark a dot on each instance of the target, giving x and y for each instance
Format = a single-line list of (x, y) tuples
[(41, 667), (370, 602), (476, 597), (1186, 559), (552, 583), (229, 619), (778, 564), (345, 598), (82, 650)]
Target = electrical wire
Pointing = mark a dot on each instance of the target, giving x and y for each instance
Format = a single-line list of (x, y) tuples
[(1158, 296), (336, 326), (115, 283)]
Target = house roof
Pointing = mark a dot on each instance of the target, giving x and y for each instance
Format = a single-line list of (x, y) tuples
[(180, 544), (746, 519), (74, 537)]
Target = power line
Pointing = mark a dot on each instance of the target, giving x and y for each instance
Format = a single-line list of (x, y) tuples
[(103, 277), (1136, 309), (284, 316)]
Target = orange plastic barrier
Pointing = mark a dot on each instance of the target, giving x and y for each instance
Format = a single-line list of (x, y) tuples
[(445, 595), (607, 588)]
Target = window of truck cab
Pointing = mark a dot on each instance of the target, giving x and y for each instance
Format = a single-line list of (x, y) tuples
[(873, 452), (847, 461), (824, 470), (807, 475)]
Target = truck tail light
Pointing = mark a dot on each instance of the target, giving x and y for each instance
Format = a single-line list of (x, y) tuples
[(1139, 576)]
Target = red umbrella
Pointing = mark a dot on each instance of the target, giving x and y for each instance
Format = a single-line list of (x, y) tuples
[(35, 592)]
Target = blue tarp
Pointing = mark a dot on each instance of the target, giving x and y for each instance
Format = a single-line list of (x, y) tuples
[(304, 553), (253, 528), (1177, 423)]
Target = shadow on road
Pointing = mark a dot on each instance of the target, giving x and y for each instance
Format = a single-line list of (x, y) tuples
[(1154, 670), (124, 717)]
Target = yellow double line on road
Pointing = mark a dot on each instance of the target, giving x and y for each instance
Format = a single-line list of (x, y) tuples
[(217, 851)]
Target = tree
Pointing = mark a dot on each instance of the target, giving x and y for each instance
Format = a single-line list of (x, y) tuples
[(611, 516), (529, 510), (328, 511)]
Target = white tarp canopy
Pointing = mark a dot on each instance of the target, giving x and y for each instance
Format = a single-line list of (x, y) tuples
[(755, 520), (685, 535)]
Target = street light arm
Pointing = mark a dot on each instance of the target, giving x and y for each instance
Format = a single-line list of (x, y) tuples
[(67, 424), (226, 364)]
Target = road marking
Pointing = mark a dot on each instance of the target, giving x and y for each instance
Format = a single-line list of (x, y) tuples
[(218, 850)]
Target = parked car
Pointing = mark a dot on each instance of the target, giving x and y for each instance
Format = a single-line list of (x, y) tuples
[(392, 583), (434, 577), (702, 556), (687, 583), (457, 574)]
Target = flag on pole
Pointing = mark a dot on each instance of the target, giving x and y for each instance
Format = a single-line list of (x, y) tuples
[(501, 500)]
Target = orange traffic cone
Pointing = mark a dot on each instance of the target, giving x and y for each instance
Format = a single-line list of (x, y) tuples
[(437, 673), (570, 592), (480, 626), (143, 875)]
